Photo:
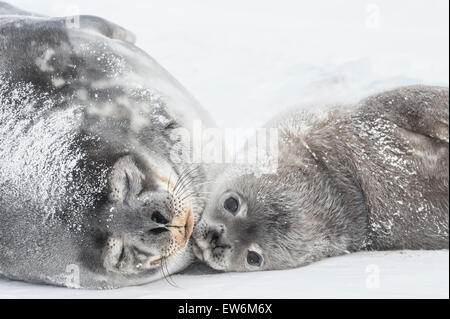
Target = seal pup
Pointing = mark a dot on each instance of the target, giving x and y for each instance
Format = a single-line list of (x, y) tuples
[(94, 189), (373, 176)]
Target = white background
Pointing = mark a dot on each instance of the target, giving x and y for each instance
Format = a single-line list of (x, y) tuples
[(245, 61)]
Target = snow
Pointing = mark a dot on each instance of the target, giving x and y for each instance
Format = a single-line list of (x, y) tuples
[(246, 61), (400, 274)]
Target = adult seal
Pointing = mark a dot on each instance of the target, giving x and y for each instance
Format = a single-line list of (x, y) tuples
[(371, 176), (94, 191)]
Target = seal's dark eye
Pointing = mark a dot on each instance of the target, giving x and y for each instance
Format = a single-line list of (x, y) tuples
[(254, 259), (231, 204)]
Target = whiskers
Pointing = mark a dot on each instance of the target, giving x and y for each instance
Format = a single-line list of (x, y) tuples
[(188, 187), (166, 273)]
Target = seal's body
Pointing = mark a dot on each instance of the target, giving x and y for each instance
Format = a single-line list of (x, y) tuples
[(92, 193), (374, 176)]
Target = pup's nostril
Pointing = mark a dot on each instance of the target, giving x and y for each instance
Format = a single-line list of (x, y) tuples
[(159, 218), (215, 237), (159, 230)]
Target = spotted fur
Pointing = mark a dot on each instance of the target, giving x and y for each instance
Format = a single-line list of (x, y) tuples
[(371, 176)]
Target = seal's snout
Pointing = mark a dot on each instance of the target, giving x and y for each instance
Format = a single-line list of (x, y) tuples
[(152, 229), (159, 218), (182, 227)]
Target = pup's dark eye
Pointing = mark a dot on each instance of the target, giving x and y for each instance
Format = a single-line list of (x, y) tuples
[(231, 204), (254, 259)]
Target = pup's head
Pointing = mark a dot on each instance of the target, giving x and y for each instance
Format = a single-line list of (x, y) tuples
[(267, 222)]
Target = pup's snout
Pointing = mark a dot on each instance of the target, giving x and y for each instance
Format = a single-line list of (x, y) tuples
[(216, 237)]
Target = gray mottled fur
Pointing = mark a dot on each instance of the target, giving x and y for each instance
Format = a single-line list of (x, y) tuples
[(86, 123), (373, 176)]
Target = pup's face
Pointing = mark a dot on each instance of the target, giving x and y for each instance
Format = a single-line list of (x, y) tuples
[(255, 223)]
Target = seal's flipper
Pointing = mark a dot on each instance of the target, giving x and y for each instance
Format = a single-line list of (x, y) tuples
[(440, 131), (106, 28), (87, 22), (422, 110)]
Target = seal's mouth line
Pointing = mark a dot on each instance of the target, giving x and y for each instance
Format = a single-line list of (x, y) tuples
[(154, 260), (184, 224), (127, 250)]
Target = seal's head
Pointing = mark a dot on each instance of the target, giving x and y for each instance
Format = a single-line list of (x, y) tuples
[(93, 162), (147, 219), (267, 222)]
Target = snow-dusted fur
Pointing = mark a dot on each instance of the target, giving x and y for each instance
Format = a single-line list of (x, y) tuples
[(373, 176), (86, 122)]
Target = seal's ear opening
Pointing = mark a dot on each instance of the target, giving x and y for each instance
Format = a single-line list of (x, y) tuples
[(125, 180)]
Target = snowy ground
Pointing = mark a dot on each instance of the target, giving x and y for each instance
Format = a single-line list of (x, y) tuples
[(401, 274), (248, 60)]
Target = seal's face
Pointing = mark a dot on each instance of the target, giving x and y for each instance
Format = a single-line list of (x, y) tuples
[(147, 222), (267, 222), (250, 224)]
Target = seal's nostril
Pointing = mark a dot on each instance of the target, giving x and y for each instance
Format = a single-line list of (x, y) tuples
[(157, 217), (159, 230)]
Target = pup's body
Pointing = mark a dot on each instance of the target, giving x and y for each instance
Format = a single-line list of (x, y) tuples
[(372, 177), (88, 173)]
